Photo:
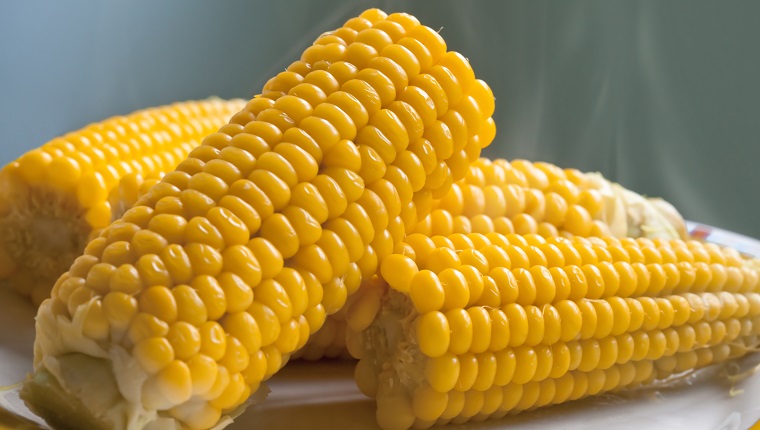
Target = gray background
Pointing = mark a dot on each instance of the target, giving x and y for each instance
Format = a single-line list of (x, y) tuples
[(661, 96)]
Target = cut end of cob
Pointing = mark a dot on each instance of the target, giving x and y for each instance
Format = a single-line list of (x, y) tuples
[(41, 234), (394, 359)]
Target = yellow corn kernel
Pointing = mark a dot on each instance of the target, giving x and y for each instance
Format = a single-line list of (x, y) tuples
[(433, 332), (154, 354), (159, 301)]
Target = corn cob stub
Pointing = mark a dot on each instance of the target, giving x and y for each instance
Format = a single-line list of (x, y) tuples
[(477, 326), (204, 289), (55, 198)]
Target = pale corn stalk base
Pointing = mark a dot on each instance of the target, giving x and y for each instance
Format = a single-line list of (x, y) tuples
[(10, 420), (60, 409), (98, 388)]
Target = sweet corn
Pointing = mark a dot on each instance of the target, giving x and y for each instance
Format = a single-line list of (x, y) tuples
[(252, 215), (55, 198), (530, 198), (522, 197), (513, 323)]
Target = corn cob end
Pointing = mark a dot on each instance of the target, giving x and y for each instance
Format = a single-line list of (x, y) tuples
[(41, 233)]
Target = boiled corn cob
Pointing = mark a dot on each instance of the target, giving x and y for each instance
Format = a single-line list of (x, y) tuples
[(469, 327), (200, 292), (525, 198), (522, 197), (55, 198)]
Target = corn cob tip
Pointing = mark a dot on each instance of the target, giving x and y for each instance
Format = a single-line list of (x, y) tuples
[(671, 215), (629, 214)]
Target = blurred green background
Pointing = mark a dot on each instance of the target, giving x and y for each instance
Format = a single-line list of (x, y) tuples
[(661, 96)]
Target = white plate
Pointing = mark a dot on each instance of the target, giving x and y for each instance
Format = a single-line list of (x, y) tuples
[(323, 395)]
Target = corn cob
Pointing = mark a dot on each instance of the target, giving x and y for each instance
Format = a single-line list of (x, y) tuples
[(200, 292), (55, 198), (526, 198), (477, 326)]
